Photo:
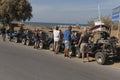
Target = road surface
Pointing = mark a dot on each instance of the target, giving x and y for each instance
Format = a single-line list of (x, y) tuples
[(18, 62)]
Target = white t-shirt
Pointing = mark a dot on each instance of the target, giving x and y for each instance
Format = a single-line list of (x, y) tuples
[(56, 35)]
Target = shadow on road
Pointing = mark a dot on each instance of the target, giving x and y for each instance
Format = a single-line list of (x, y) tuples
[(110, 62)]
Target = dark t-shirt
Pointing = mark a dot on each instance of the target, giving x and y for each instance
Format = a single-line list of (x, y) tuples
[(85, 38), (3, 30), (36, 35)]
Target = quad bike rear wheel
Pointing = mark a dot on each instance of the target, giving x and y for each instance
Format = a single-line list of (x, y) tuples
[(27, 42)]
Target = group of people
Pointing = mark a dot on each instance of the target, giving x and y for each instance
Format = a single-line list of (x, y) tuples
[(67, 37)]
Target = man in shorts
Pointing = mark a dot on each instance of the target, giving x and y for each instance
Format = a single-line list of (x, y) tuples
[(84, 43), (67, 41), (36, 38)]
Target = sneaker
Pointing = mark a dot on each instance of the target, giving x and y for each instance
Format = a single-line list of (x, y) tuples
[(87, 61), (82, 61)]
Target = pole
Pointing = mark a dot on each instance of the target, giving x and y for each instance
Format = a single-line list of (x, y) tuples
[(99, 13), (111, 28), (119, 26)]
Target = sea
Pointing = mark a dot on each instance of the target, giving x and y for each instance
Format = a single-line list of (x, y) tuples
[(54, 24)]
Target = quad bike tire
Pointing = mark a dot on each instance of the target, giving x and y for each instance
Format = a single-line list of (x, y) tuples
[(16, 40), (41, 45), (78, 53), (24, 42), (101, 58), (27, 42), (51, 47)]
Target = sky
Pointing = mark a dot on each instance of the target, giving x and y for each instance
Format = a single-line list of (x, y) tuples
[(70, 11)]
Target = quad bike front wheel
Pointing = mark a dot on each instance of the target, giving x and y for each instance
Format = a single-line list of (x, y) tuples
[(101, 58), (51, 47), (41, 45), (24, 42), (78, 53), (16, 40)]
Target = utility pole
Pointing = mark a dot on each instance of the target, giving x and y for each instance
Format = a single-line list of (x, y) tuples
[(119, 26), (99, 13)]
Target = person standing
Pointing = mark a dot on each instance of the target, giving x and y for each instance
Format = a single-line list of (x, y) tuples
[(56, 34), (67, 41), (84, 43), (36, 38), (3, 32)]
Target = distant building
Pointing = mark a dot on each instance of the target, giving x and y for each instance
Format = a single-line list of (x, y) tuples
[(16, 24), (98, 22)]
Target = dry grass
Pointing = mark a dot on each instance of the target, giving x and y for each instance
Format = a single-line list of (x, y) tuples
[(49, 28), (113, 33)]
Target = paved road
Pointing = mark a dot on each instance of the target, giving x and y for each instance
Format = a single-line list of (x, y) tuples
[(18, 62)]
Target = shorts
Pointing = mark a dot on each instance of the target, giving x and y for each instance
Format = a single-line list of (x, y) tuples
[(3, 36), (56, 43), (83, 48), (36, 40), (67, 44)]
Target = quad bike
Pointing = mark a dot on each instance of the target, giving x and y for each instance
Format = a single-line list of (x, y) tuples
[(47, 44), (103, 49), (18, 37), (28, 39)]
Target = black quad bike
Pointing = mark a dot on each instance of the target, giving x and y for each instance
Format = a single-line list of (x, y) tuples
[(46, 41), (18, 37), (104, 49), (49, 44), (46, 44), (29, 38)]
